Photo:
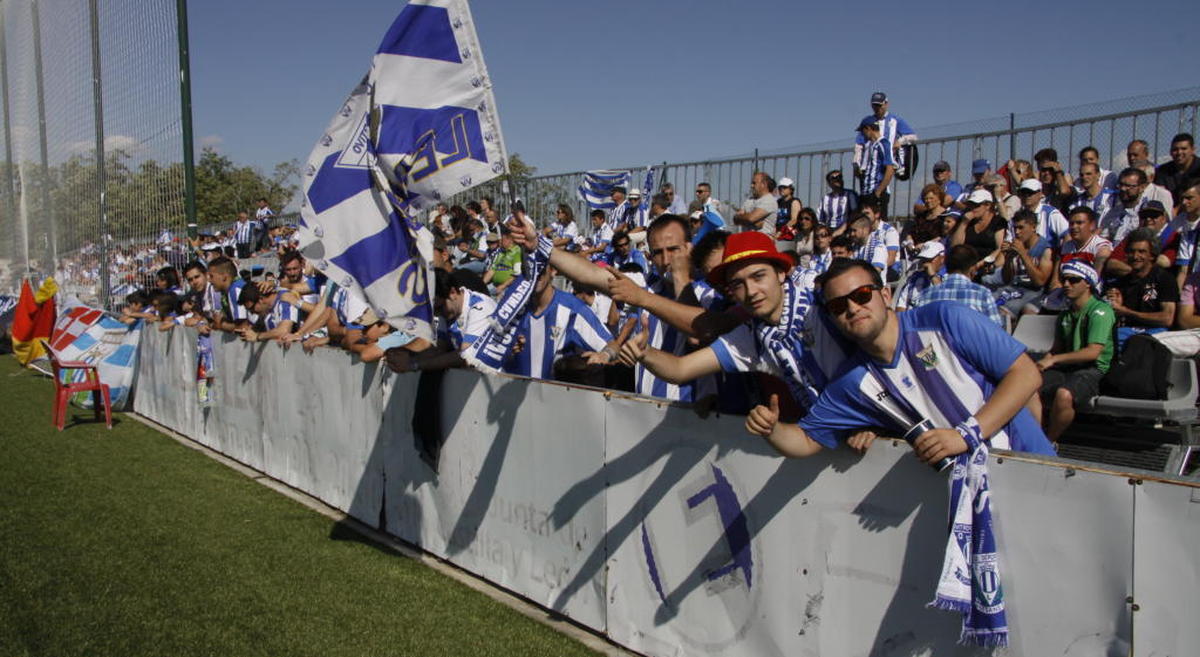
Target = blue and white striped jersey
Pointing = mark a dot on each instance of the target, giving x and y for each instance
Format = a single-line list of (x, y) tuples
[(234, 311), (1100, 203), (281, 312), (559, 231), (566, 324), (667, 338), (877, 156), (836, 207), (472, 321), (891, 128), (348, 305), (948, 361), (874, 252), (243, 232)]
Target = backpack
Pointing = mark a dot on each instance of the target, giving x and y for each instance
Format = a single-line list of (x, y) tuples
[(1140, 371), (907, 162)]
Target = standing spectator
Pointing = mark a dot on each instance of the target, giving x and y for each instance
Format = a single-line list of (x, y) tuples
[(1183, 170), (878, 165), (1056, 184), (223, 275), (892, 128), (1121, 217), (1028, 265), (1145, 298), (759, 209), (1082, 351), (1052, 225), (263, 216), (243, 236), (961, 264), (930, 259), (788, 215), (1090, 188), (838, 204), (505, 264)]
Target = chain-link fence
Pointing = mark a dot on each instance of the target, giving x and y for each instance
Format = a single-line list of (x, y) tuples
[(93, 136), (1108, 126)]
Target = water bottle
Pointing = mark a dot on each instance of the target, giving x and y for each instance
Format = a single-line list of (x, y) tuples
[(919, 428)]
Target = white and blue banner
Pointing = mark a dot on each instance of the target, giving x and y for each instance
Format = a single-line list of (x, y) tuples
[(596, 188), (420, 127), (98, 338)]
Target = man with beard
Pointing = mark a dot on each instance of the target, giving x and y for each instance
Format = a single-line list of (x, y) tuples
[(1122, 217)]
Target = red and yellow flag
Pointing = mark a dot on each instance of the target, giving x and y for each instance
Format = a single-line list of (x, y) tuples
[(33, 319)]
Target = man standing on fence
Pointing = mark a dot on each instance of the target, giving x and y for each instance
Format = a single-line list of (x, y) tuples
[(262, 217)]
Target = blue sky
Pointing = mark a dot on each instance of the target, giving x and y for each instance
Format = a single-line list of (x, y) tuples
[(593, 85)]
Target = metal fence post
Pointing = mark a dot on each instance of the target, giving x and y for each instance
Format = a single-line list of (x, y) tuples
[(101, 180), (51, 237), (185, 115)]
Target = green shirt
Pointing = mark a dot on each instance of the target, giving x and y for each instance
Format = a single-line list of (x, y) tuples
[(506, 264), (1093, 325)]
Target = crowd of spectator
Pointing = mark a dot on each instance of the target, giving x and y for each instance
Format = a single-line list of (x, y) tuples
[(821, 322)]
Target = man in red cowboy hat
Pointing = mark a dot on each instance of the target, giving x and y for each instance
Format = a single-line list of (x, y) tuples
[(775, 340)]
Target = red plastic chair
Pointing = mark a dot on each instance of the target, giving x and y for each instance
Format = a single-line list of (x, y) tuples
[(64, 391)]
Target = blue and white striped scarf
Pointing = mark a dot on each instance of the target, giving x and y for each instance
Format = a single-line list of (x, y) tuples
[(491, 350)]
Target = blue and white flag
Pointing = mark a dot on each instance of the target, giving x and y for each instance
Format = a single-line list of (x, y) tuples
[(93, 336), (421, 126), (596, 188)]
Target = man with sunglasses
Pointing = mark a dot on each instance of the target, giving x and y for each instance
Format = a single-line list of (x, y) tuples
[(942, 364), (1082, 351), (838, 204), (777, 339)]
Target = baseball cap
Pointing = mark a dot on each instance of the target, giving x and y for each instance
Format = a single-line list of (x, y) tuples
[(980, 196), (747, 246), (931, 249), (878, 98), (1152, 208), (980, 166), (1032, 185), (635, 193), (941, 165), (786, 182)]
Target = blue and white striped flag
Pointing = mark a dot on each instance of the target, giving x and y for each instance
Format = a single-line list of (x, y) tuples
[(421, 126), (596, 188), (109, 345)]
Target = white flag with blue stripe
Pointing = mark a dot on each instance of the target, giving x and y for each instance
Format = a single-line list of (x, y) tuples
[(596, 188), (421, 126)]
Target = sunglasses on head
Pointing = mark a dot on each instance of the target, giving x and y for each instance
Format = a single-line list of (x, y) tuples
[(860, 296)]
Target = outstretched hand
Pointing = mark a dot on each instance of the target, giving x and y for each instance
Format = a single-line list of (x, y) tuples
[(634, 349), (523, 233), (623, 289)]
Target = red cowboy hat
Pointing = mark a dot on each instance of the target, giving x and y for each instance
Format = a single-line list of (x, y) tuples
[(742, 247)]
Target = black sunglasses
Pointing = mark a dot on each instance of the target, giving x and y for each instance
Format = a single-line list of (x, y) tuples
[(859, 295), (1072, 280)]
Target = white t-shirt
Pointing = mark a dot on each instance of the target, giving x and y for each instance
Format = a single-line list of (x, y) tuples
[(765, 202)]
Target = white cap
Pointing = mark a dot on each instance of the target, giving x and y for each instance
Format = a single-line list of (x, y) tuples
[(786, 182), (931, 249), (980, 196), (634, 192), (1032, 184)]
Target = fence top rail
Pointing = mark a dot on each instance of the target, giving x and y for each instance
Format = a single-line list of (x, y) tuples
[(832, 150)]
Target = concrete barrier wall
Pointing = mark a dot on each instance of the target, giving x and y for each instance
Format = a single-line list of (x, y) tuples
[(676, 535)]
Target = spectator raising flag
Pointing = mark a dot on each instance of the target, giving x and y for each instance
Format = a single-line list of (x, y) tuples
[(428, 87)]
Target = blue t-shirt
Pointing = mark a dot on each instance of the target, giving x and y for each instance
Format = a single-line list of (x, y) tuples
[(962, 357)]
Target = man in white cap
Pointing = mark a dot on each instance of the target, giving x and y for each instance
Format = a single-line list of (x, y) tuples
[(637, 217), (1082, 351), (930, 259), (1052, 225)]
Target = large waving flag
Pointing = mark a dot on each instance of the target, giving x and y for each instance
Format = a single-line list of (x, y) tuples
[(421, 126), (33, 319), (596, 188)]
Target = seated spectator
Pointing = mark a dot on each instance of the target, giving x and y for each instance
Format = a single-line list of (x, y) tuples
[(1082, 351), (867, 243), (981, 227), (623, 253), (930, 259), (961, 264), (505, 264), (1007, 203), (1145, 298), (1052, 223), (1174, 251), (1056, 184), (1083, 242), (787, 218), (596, 247), (805, 232), (563, 230), (1028, 265), (1185, 341), (1156, 192)]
